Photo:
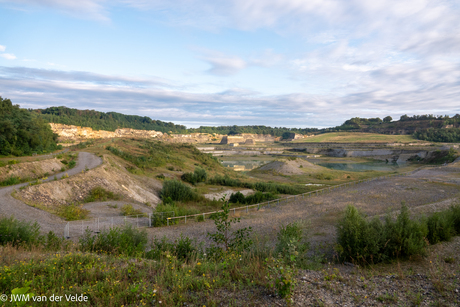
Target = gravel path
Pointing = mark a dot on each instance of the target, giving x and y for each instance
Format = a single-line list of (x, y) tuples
[(9, 206)]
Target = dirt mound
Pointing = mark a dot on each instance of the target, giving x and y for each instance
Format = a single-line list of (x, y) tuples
[(290, 167), (31, 170), (75, 189)]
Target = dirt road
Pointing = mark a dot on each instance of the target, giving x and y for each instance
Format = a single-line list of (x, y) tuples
[(9, 206)]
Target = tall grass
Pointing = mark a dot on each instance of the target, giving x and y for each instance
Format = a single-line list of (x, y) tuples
[(127, 241), (18, 232)]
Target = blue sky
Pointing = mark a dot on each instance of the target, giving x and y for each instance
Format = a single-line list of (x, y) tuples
[(290, 63)]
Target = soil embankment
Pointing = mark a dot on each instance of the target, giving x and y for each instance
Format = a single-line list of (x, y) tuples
[(9, 206), (31, 170)]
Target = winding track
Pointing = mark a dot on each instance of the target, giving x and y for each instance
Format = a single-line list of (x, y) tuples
[(9, 206)]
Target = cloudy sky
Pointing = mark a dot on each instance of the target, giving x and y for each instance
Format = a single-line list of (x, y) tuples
[(291, 63)]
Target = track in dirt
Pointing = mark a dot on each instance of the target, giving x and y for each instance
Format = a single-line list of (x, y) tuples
[(9, 206)]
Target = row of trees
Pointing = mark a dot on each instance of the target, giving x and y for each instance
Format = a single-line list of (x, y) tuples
[(21, 133), (104, 121)]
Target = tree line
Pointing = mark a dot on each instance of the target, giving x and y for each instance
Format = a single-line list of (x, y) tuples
[(21, 133)]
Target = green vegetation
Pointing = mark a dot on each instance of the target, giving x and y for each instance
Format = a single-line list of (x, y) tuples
[(128, 210), (100, 194), (12, 181), (23, 134), (147, 155), (258, 197), (72, 212), (104, 121), (258, 186), (18, 232), (363, 241), (359, 137), (225, 239), (174, 190), (199, 175), (127, 241)]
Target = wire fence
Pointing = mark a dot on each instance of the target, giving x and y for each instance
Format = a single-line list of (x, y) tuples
[(78, 228), (96, 225)]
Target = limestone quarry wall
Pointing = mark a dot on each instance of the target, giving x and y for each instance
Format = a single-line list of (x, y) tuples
[(80, 134)]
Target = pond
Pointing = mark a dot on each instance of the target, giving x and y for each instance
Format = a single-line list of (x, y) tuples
[(243, 165), (361, 167)]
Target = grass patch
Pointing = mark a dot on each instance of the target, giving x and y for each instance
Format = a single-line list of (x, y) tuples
[(72, 212), (128, 210), (100, 194)]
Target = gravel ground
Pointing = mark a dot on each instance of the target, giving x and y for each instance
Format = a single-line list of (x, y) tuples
[(423, 191), (9, 206)]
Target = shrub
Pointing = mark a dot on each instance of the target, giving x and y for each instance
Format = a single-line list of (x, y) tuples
[(72, 212), (357, 239), (224, 238), (72, 164), (53, 242), (128, 241), (237, 198), (291, 242), (199, 175), (18, 232), (10, 181), (100, 194), (440, 227), (404, 237), (178, 191), (371, 241), (183, 248), (455, 216)]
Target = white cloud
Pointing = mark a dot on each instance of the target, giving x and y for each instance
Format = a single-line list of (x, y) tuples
[(8, 56), (2, 48), (92, 9)]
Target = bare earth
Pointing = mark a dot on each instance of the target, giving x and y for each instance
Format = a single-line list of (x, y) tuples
[(9, 206)]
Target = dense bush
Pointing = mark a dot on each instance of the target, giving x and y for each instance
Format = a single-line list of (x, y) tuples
[(403, 236), (364, 241), (178, 191), (127, 241), (255, 198), (440, 226), (199, 175), (357, 238), (18, 232)]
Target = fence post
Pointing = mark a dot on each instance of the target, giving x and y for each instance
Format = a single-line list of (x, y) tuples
[(168, 220), (233, 211), (203, 216), (185, 219)]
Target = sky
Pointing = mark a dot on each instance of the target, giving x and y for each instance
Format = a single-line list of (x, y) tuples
[(279, 63)]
